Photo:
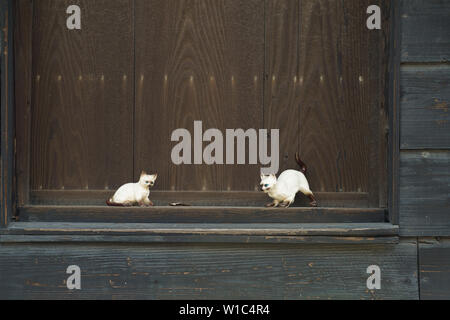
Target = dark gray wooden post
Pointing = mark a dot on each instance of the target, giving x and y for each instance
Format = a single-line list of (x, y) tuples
[(7, 111)]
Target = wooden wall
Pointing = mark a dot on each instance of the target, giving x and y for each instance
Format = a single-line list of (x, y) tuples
[(105, 99), (424, 119), (425, 139), (417, 267), (210, 271)]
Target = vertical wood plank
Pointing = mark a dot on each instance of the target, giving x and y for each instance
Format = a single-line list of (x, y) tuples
[(434, 269), (281, 103), (198, 60), (393, 97), (245, 51), (424, 102), (342, 72), (326, 118), (23, 74), (382, 112), (152, 137), (424, 193), (7, 112), (82, 111)]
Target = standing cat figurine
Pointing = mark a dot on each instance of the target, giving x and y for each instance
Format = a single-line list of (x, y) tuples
[(132, 194), (288, 184)]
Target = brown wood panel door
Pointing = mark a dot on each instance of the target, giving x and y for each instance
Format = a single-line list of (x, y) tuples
[(197, 61), (106, 98), (82, 105)]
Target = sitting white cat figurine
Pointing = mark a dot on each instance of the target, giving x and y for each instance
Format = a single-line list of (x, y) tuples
[(132, 194)]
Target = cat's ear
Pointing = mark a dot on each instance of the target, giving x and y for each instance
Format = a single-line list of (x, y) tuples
[(154, 176), (143, 173)]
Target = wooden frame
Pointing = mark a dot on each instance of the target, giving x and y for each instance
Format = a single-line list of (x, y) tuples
[(23, 49), (393, 97), (7, 112)]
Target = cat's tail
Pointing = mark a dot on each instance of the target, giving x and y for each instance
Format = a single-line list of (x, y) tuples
[(111, 203), (303, 167)]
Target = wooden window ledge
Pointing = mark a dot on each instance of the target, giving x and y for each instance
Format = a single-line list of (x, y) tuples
[(352, 233), (198, 214)]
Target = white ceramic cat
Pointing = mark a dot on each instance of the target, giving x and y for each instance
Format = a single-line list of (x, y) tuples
[(132, 194), (288, 184)]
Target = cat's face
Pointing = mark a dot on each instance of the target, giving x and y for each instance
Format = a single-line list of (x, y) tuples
[(148, 180), (268, 182)]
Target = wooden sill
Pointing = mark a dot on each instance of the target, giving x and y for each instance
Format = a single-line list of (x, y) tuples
[(354, 233), (199, 214), (197, 198)]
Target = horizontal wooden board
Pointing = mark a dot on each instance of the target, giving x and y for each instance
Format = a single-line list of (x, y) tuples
[(199, 214), (361, 233), (208, 271), (198, 198), (192, 238), (425, 30), (425, 116), (424, 193), (434, 264), (312, 229)]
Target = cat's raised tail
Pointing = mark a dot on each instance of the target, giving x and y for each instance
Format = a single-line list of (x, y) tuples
[(303, 167)]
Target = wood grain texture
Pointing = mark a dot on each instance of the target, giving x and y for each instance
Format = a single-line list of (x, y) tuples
[(263, 229), (424, 193), (342, 74), (209, 271), (425, 103), (425, 36), (393, 98), (7, 194), (23, 84), (309, 68), (434, 268), (198, 198), (351, 233), (199, 60), (211, 239), (202, 214), (82, 110), (281, 95)]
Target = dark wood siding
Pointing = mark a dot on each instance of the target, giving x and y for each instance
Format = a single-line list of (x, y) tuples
[(209, 271), (425, 141), (434, 258), (425, 116), (425, 30), (424, 119), (424, 193), (137, 270)]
